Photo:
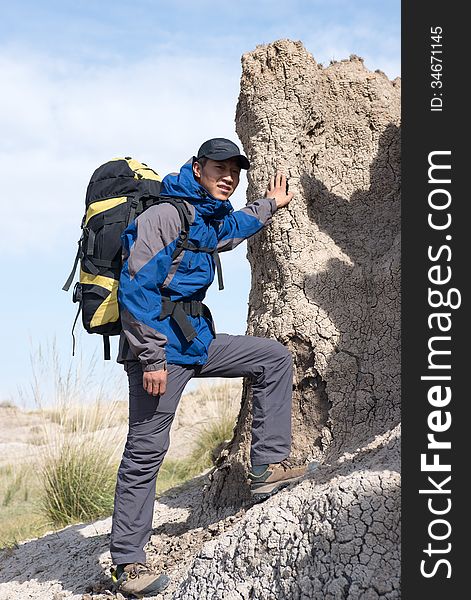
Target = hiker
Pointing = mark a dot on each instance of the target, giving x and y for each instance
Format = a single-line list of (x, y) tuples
[(169, 337)]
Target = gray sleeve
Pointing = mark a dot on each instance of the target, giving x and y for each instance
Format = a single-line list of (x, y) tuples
[(243, 223), (263, 209), (157, 227), (145, 342)]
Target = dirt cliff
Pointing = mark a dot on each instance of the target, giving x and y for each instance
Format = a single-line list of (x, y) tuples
[(326, 283)]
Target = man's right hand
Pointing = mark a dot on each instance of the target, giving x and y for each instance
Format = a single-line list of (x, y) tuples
[(155, 382)]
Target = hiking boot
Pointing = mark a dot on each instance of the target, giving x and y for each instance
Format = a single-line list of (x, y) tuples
[(138, 580), (266, 480)]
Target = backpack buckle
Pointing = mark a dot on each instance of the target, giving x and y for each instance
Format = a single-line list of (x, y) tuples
[(77, 293)]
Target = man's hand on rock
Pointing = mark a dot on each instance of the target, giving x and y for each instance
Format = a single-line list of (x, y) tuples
[(277, 190), (155, 382)]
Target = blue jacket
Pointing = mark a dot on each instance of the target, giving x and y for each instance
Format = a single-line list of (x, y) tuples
[(149, 271)]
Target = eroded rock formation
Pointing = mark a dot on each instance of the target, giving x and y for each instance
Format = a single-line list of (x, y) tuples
[(325, 282)]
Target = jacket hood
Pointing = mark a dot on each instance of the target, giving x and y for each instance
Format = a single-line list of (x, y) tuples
[(184, 185)]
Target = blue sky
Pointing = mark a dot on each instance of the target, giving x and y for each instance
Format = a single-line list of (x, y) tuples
[(84, 81)]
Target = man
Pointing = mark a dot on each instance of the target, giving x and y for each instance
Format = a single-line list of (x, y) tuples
[(168, 338)]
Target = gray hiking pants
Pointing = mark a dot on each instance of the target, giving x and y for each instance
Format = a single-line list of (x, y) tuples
[(265, 361)]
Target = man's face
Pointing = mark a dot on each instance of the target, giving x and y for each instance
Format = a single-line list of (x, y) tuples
[(219, 177)]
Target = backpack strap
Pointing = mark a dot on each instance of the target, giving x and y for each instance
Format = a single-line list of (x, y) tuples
[(179, 315), (179, 312), (217, 260), (70, 278), (78, 256), (106, 347), (214, 253), (183, 243), (76, 297), (133, 206), (186, 218)]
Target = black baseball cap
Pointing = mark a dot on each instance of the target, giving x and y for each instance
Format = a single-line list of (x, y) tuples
[(222, 149)]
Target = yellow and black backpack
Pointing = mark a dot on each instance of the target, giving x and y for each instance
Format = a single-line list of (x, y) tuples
[(119, 191)]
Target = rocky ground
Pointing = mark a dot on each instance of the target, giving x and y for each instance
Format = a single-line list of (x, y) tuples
[(74, 562), (304, 525)]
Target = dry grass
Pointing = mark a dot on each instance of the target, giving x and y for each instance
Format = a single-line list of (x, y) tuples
[(88, 417), (78, 436), (19, 515), (80, 462), (210, 432), (218, 427), (79, 439)]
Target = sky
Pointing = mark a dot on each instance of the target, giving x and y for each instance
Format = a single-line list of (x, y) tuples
[(84, 81)]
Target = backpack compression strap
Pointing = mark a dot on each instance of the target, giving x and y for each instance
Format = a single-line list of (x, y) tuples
[(183, 242), (84, 254)]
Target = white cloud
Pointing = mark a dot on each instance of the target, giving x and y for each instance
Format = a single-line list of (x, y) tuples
[(60, 121), (338, 42)]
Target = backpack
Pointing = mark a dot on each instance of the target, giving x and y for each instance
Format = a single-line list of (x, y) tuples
[(119, 191)]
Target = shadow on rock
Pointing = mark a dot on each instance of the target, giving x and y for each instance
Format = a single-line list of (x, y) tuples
[(361, 297), (69, 557)]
